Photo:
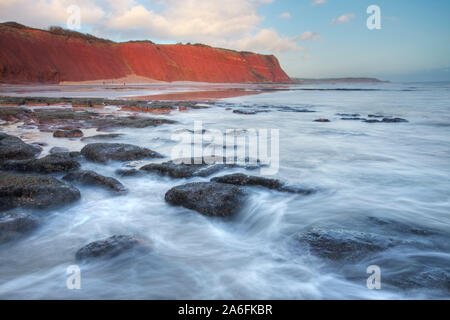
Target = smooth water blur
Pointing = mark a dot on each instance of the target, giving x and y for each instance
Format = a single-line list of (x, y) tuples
[(398, 171)]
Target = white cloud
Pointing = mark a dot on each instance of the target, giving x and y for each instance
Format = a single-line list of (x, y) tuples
[(268, 40), (285, 15), (317, 2), (309, 35), (344, 18)]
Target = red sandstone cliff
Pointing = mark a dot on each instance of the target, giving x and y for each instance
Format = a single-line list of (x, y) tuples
[(30, 55)]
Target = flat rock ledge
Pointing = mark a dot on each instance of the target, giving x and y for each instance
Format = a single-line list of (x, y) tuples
[(103, 152), (92, 178), (107, 248), (34, 191)]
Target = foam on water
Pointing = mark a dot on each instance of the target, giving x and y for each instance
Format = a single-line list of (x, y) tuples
[(398, 171)]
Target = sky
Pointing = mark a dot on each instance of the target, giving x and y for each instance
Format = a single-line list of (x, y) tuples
[(311, 38)]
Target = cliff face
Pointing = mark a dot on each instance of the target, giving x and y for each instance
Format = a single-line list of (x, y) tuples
[(36, 56)]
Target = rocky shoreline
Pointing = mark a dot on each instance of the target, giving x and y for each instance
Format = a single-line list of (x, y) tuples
[(28, 181)]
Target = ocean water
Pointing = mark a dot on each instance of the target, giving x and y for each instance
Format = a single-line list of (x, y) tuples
[(394, 171)]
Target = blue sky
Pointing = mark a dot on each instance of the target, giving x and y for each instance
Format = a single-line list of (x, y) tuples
[(329, 39)]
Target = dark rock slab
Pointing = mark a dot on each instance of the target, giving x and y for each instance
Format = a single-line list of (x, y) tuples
[(321, 120), (34, 191), (107, 248), (102, 137), (393, 225), (345, 244), (245, 112), (14, 225), (57, 162), (13, 148), (102, 152), (130, 122), (92, 178), (386, 120), (58, 150), (207, 198), (74, 133), (241, 179)]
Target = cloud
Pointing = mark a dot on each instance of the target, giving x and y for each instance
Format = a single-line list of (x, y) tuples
[(285, 15), (344, 18), (317, 2), (268, 40), (309, 35), (234, 25)]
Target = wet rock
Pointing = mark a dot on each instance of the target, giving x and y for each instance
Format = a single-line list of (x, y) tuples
[(107, 248), (207, 198), (58, 150), (397, 226), (394, 120), (241, 179), (102, 137), (102, 152), (246, 112), (130, 122), (348, 115), (356, 118), (34, 191), (74, 133), (345, 244), (375, 116), (321, 120), (94, 179), (128, 172), (13, 148), (386, 120), (178, 171), (13, 225), (57, 162)]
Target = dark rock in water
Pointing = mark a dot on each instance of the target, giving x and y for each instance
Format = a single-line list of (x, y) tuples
[(246, 112), (241, 179), (376, 116), (13, 225), (348, 115), (193, 167), (102, 137), (401, 227), (128, 172), (394, 120), (208, 198), (107, 248), (345, 244), (74, 133), (353, 118), (130, 122), (94, 179), (13, 148), (58, 150), (321, 120), (33, 191), (386, 120), (57, 162), (102, 152)]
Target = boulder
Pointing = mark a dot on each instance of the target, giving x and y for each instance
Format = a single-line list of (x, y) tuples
[(338, 244), (58, 150), (208, 198), (102, 137), (34, 191), (73, 133), (102, 152), (241, 179), (94, 179), (13, 225), (13, 148), (107, 248), (57, 162)]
